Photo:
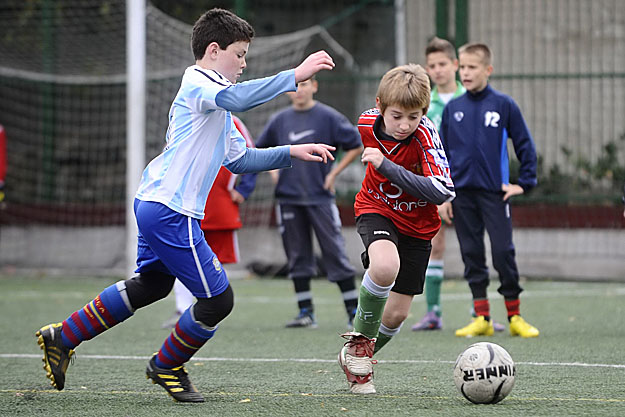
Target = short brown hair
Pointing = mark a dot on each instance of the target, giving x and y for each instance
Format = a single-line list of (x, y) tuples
[(221, 26), (406, 86), (478, 49), (441, 45)]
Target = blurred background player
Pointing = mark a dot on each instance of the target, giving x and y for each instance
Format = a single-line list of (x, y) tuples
[(475, 130), (220, 223), (407, 176), (441, 65), (305, 195), (3, 162)]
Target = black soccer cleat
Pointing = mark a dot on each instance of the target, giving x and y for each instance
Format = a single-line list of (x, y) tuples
[(175, 381), (56, 357)]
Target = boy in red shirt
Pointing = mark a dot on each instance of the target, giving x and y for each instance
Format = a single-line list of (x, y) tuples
[(407, 177)]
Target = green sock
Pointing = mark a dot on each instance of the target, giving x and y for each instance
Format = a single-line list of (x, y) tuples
[(369, 313), (433, 282), (384, 336), (383, 339)]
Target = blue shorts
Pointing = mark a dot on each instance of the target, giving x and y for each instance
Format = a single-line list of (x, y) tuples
[(174, 244)]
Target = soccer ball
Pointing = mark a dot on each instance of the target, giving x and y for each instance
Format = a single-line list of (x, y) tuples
[(484, 373)]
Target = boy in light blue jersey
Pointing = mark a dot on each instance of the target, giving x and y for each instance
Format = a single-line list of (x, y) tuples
[(170, 202)]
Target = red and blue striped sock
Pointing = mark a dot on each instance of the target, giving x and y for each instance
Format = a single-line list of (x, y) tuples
[(513, 306), (184, 341), (482, 307), (103, 312)]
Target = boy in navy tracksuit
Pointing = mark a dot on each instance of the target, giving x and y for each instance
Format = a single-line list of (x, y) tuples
[(475, 129)]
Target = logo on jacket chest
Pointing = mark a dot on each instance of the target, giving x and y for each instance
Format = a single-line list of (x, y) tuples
[(294, 137)]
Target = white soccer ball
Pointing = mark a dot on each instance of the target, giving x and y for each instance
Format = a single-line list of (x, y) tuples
[(484, 373)]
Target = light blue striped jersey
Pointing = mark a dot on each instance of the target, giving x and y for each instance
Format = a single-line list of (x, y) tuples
[(201, 136)]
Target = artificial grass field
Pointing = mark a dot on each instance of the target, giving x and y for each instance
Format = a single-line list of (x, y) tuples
[(254, 366)]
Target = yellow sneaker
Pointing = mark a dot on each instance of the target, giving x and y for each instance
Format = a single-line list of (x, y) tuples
[(519, 327), (478, 327)]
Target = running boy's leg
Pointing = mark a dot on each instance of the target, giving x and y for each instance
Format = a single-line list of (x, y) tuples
[(112, 306), (396, 310), (179, 243), (381, 261), (414, 255)]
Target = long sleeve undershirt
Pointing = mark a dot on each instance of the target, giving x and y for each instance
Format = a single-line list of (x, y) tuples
[(426, 188)]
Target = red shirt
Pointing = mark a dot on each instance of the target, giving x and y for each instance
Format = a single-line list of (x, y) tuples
[(221, 213), (411, 216)]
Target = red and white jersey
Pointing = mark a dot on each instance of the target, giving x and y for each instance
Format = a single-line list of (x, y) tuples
[(224, 213), (421, 154)]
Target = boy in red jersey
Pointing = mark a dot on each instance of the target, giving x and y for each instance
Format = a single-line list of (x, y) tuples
[(396, 215)]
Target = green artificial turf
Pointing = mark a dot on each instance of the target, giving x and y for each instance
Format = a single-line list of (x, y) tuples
[(254, 366)]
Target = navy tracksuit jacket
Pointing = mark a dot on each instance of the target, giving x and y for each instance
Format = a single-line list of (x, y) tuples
[(475, 130)]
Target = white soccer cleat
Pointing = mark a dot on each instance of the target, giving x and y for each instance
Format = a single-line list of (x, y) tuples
[(355, 361), (364, 388), (356, 354)]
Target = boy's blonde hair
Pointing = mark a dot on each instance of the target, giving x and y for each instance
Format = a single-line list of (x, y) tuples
[(406, 86), (478, 49)]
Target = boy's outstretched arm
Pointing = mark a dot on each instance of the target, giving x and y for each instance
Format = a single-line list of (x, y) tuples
[(248, 94), (314, 63), (256, 160), (315, 152)]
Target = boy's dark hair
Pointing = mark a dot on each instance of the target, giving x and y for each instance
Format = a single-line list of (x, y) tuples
[(441, 45), (221, 26), (478, 49)]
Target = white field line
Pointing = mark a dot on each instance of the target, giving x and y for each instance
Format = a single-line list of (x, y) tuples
[(311, 360), (551, 293)]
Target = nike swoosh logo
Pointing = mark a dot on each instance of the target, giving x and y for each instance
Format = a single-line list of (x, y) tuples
[(294, 137)]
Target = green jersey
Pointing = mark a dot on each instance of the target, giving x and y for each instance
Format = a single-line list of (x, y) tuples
[(435, 112)]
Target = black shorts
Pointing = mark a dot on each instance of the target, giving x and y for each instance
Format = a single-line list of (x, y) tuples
[(414, 253)]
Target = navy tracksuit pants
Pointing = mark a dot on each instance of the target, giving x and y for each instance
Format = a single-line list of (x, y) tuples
[(476, 211), (297, 222)]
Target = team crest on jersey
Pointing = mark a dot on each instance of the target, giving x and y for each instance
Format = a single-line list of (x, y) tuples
[(416, 168), (216, 264), (458, 116)]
